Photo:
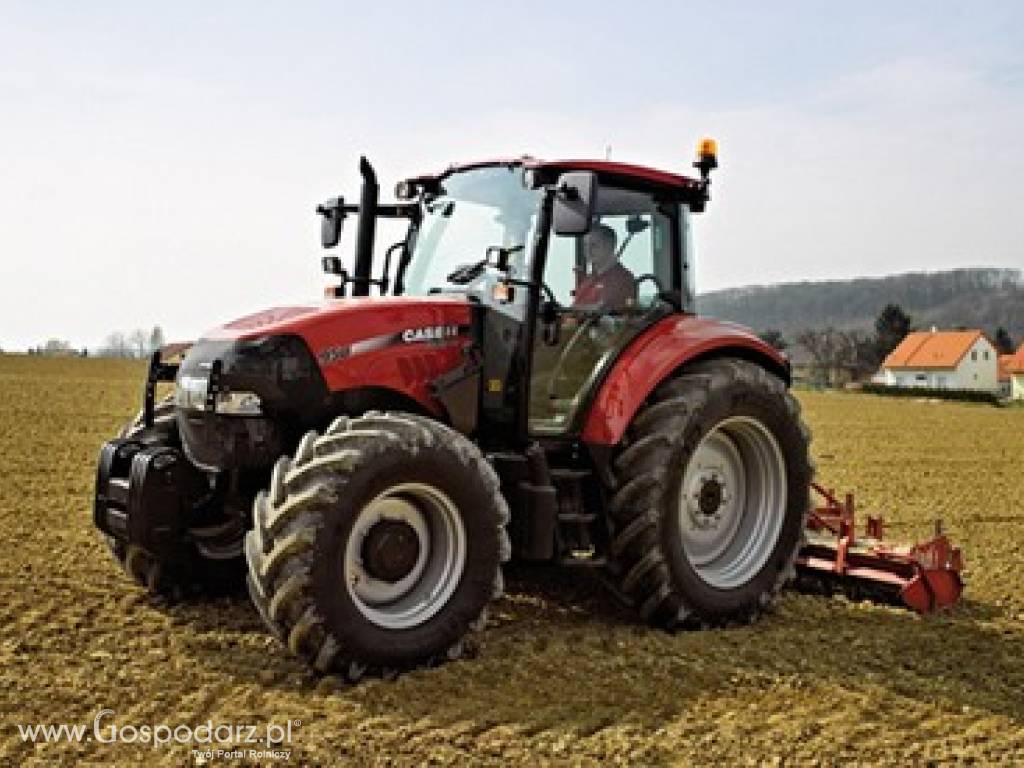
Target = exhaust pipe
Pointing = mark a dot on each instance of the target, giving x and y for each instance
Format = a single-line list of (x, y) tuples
[(366, 232)]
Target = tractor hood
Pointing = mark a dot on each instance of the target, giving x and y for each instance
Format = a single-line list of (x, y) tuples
[(338, 328), (293, 363)]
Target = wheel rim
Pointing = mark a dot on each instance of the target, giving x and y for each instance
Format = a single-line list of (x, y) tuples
[(390, 585), (732, 502)]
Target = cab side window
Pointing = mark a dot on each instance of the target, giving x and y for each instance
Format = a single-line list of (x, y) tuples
[(623, 263), (607, 285)]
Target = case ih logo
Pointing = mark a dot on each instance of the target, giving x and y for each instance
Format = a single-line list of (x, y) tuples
[(430, 333), (434, 333)]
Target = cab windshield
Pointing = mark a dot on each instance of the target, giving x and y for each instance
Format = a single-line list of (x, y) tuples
[(474, 210)]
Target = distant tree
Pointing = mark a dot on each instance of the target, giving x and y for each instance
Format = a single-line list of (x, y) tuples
[(137, 342), (891, 326), (774, 338), (861, 354), (1004, 342), (838, 356), (156, 339), (116, 345), (824, 347)]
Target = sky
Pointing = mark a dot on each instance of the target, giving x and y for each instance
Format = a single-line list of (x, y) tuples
[(160, 163)]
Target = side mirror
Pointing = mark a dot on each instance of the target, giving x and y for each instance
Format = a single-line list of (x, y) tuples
[(575, 199), (333, 212)]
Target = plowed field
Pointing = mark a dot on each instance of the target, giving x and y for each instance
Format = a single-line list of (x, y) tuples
[(562, 674)]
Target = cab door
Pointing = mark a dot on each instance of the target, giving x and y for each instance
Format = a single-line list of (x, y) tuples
[(600, 304)]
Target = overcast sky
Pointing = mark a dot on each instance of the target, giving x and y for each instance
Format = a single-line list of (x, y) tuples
[(160, 162)]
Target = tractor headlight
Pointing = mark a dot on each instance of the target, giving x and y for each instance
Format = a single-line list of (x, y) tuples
[(271, 376), (239, 403), (191, 394)]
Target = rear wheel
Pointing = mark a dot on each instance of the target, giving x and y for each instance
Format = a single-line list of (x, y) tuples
[(711, 496), (379, 545)]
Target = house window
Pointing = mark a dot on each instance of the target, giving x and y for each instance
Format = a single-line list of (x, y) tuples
[(974, 355), (941, 382), (985, 354)]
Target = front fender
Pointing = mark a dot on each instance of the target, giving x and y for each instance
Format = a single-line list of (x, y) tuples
[(659, 352), (409, 370)]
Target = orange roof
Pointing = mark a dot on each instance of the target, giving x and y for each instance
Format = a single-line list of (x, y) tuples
[(1011, 363), (1003, 371), (931, 349)]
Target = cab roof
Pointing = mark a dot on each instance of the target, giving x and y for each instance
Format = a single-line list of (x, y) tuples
[(639, 175)]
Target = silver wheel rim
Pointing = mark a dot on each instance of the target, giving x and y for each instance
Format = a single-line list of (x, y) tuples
[(426, 588), (732, 502)]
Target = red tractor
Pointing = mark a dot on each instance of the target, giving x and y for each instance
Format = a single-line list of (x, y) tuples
[(525, 377)]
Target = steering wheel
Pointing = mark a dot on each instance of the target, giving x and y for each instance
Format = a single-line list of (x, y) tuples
[(644, 278)]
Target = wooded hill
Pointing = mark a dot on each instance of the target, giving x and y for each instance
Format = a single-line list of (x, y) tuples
[(982, 298)]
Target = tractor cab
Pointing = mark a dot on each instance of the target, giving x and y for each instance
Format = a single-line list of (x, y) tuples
[(564, 262)]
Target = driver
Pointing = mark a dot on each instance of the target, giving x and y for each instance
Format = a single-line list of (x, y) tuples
[(606, 284)]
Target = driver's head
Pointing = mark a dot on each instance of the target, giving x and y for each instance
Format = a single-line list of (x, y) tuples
[(599, 245)]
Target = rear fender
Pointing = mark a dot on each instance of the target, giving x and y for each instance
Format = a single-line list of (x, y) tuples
[(656, 355)]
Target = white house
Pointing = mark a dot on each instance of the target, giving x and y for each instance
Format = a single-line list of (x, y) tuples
[(943, 360)]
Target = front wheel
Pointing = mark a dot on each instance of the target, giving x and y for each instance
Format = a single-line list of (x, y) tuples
[(379, 545), (711, 496)]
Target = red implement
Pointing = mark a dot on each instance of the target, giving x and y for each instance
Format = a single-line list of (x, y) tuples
[(924, 577)]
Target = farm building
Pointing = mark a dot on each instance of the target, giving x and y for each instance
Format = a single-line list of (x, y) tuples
[(943, 360), (1011, 374)]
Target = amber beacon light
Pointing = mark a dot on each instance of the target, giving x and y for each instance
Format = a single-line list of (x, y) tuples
[(707, 154)]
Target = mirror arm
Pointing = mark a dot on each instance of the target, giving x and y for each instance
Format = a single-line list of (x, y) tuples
[(341, 210), (398, 211)]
